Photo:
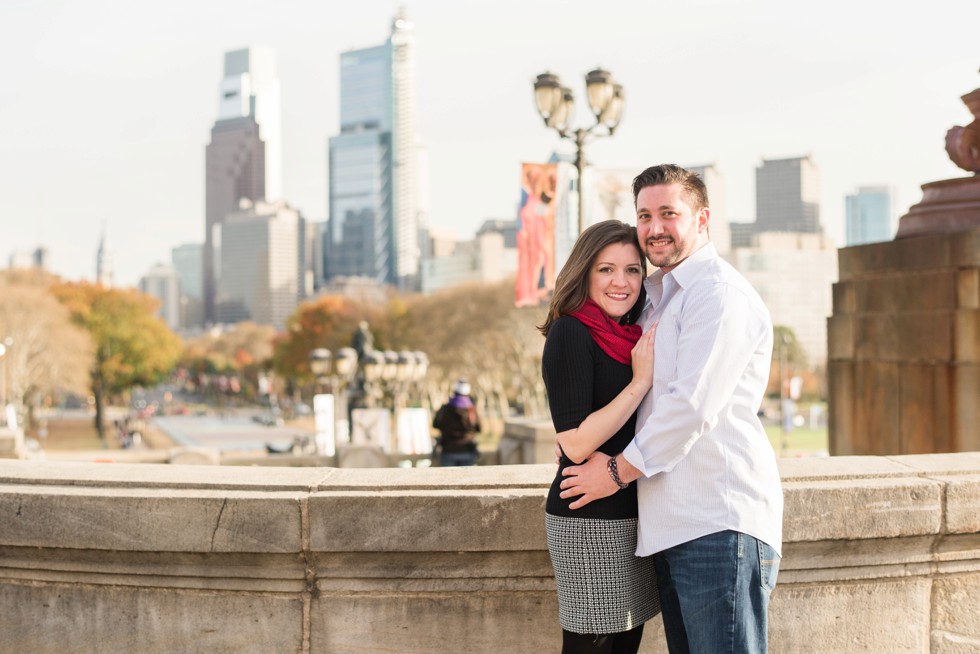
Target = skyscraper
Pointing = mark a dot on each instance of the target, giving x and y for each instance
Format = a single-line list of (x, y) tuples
[(787, 196), (406, 225), (373, 224), (161, 281), (187, 260), (868, 215), (250, 87), (260, 264), (243, 160)]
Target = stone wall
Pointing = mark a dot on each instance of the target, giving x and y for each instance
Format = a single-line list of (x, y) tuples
[(904, 347), (882, 554)]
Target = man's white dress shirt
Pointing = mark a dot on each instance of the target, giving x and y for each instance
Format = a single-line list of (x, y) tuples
[(706, 462)]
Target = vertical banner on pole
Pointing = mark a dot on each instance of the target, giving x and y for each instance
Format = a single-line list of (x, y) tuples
[(536, 234), (546, 229)]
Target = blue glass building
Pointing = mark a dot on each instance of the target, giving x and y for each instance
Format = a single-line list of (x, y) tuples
[(373, 225), (868, 216)]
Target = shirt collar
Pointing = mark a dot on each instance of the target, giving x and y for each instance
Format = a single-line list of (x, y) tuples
[(688, 270)]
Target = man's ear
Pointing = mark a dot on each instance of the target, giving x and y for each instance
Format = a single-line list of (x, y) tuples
[(704, 214)]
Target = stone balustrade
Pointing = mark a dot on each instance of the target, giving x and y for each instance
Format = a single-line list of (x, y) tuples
[(882, 554)]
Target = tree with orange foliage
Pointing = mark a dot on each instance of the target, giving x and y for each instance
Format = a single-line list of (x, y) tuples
[(132, 346)]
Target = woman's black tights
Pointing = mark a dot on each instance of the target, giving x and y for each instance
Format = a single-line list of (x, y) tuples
[(624, 642)]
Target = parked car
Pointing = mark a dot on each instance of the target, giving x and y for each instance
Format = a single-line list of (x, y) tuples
[(269, 419)]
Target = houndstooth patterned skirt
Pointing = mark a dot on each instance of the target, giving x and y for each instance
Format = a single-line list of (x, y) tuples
[(603, 587)]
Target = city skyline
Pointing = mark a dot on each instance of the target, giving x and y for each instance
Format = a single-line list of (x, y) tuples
[(109, 106)]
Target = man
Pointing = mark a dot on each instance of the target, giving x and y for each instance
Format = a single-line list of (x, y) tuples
[(709, 493)]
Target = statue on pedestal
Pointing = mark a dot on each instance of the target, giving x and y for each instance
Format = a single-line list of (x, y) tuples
[(951, 205), (963, 143), (363, 339)]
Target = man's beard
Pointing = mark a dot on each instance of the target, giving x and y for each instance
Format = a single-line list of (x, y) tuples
[(664, 257)]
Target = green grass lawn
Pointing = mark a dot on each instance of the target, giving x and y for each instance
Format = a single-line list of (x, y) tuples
[(802, 441)]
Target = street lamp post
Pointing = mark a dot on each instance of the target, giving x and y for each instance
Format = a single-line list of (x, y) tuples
[(5, 413), (412, 435), (372, 371), (555, 104), (785, 417), (3, 382), (333, 373), (320, 359), (409, 372)]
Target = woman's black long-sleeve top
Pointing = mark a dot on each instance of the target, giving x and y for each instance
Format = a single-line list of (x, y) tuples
[(580, 378)]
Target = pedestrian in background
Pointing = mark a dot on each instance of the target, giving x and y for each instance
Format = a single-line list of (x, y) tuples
[(458, 424)]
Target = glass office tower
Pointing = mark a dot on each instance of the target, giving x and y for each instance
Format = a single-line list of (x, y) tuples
[(868, 215), (373, 223)]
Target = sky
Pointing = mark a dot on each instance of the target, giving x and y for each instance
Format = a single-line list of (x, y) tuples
[(106, 106)]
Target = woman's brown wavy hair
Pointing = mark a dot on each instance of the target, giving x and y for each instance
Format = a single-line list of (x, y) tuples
[(572, 284)]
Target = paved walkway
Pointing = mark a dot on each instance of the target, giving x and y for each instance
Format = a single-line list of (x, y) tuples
[(226, 434)]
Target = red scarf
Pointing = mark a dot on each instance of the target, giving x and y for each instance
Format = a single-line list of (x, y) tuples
[(615, 340)]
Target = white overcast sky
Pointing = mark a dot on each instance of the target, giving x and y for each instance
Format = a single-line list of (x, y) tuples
[(106, 105)]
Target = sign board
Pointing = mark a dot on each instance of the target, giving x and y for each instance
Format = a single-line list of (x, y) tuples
[(324, 420), (412, 429), (371, 427)]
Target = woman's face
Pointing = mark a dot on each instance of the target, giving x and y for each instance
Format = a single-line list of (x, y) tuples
[(615, 279)]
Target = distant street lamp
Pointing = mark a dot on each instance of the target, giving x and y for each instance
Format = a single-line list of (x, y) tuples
[(333, 373), (555, 104), (372, 373), (390, 373), (409, 371), (320, 360)]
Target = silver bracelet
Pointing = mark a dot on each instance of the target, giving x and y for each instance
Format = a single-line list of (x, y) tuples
[(613, 469)]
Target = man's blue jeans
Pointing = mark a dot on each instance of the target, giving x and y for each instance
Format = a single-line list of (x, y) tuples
[(714, 592)]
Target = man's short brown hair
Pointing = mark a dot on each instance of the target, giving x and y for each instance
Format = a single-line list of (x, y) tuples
[(695, 192)]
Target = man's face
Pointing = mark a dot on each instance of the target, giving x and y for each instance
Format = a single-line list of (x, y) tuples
[(668, 228)]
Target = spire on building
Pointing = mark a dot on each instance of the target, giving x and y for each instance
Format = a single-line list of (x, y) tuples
[(103, 259)]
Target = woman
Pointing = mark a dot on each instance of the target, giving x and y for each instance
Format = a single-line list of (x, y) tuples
[(605, 592)]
